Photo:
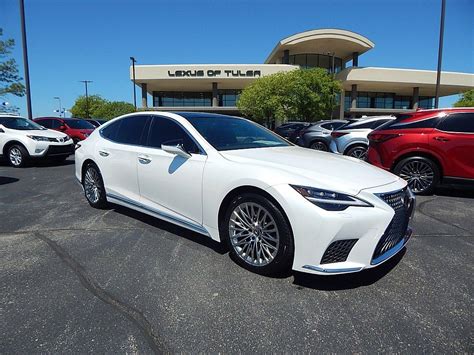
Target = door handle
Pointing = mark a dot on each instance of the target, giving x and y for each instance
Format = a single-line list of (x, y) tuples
[(103, 154), (441, 139), (144, 160)]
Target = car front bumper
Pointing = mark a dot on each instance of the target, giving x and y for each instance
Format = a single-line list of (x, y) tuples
[(46, 149), (316, 231)]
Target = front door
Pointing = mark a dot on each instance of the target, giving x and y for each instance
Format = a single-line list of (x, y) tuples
[(169, 182)]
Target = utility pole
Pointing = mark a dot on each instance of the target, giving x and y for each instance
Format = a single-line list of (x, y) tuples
[(60, 108), (440, 52), (87, 96), (25, 60), (134, 86)]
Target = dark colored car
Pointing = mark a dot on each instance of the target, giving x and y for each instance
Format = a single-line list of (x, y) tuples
[(96, 122), (290, 130), (318, 135), (426, 147), (77, 129)]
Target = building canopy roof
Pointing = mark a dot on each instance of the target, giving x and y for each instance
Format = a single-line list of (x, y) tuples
[(340, 42)]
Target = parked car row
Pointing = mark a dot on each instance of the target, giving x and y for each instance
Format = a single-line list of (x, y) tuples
[(44, 137), (425, 147)]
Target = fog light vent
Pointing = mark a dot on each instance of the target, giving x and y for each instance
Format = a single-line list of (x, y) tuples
[(338, 251)]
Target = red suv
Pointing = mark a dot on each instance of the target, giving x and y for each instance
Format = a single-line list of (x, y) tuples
[(75, 128), (426, 147)]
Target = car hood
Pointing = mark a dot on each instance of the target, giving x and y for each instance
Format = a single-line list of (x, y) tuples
[(42, 132), (323, 170)]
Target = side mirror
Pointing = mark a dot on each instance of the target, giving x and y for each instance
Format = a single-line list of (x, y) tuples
[(62, 128), (176, 149)]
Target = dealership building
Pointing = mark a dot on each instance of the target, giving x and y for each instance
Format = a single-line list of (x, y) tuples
[(366, 90)]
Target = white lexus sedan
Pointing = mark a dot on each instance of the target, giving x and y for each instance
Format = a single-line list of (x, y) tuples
[(274, 204)]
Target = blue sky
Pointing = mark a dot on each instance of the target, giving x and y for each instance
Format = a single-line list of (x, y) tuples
[(72, 40)]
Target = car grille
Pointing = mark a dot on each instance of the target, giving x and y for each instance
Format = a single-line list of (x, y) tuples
[(338, 251), (61, 149), (397, 228)]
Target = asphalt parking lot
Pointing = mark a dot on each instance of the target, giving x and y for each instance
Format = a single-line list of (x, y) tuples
[(74, 280)]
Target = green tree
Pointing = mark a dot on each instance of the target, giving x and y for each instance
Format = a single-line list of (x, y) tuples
[(97, 107), (304, 94), (84, 108), (466, 99), (113, 109), (10, 81)]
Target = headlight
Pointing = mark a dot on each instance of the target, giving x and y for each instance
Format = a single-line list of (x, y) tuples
[(330, 200), (39, 138), (67, 138), (86, 135)]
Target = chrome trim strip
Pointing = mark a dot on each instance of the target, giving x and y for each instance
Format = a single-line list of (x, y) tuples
[(331, 271), (172, 219), (391, 252)]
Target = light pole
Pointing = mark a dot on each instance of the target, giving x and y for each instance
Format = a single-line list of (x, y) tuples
[(60, 107), (25, 60), (87, 96), (134, 86), (440, 52)]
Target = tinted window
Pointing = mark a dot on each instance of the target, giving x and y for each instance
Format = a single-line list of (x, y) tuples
[(45, 123), (402, 124), (131, 129), (332, 125), (371, 124), (19, 123), (168, 132), (79, 124), (55, 124), (111, 130), (458, 122), (229, 133)]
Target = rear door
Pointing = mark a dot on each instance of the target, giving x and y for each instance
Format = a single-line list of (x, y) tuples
[(453, 140), (117, 155)]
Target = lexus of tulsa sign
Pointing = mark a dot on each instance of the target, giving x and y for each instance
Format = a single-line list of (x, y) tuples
[(215, 73)]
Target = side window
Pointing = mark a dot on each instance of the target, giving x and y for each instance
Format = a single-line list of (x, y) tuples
[(55, 124), (165, 131), (45, 123), (378, 123), (458, 122), (110, 131), (328, 126), (131, 130)]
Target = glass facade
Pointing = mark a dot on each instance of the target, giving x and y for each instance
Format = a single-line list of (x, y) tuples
[(316, 61), (228, 97), (181, 98), (385, 100)]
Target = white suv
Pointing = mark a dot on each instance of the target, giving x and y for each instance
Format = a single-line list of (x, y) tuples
[(22, 139)]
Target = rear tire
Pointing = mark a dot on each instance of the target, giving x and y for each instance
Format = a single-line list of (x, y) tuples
[(319, 145), (258, 235), (422, 174), (93, 185), (358, 151), (17, 156)]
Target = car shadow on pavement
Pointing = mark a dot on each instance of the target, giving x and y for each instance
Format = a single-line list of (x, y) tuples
[(347, 281), (7, 180), (455, 191), (171, 228), (40, 163)]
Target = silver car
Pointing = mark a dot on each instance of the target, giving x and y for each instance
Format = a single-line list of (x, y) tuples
[(351, 139), (318, 135)]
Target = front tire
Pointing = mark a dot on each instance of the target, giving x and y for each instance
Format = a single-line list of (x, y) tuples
[(258, 235), (93, 185), (17, 156), (422, 174)]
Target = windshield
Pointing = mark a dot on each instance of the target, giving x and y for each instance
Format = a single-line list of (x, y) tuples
[(79, 124), (19, 123), (230, 133)]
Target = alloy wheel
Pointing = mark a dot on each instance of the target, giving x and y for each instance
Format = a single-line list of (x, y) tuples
[(92, 185), (359, 153), (319, 146), (419, 175), (15, 156), (254, 234)]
